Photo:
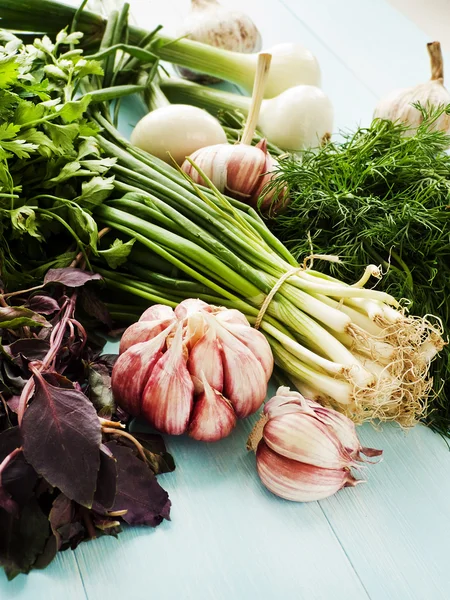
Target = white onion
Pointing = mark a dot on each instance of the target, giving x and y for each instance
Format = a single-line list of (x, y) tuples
[(177, 131)]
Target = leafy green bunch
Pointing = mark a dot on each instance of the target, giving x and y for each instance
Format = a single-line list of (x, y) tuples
[(52, 174)]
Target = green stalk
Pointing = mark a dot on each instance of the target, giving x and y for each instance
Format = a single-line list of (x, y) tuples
[(158, 238), (179, 91), (224, 64)]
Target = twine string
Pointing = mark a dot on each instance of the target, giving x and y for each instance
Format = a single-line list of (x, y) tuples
[(293, 271)]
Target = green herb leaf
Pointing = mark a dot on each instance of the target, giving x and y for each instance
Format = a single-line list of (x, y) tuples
[(117, 253)]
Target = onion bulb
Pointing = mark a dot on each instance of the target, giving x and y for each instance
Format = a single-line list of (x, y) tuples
[(213, 24), (299, 118), (176, 131)]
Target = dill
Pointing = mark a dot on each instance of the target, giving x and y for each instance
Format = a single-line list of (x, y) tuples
[(380, 195)]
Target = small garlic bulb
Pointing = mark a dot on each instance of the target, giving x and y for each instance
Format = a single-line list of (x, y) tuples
[(398, 105), (215, 25)]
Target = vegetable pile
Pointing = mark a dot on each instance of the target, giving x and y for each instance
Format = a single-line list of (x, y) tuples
[(187, 261), (68, 469)]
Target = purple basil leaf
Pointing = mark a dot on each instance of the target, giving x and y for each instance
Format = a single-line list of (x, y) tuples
[(12, 376), (23, 539), (100, 390), (58, 380), (13, 317), (138, 491), (13, 403), (9, 440), (47, 555), (109, 360), (45, 305), (107, 479), (69, 277), (61, 440), (159, 460), (62, 516), (19, 479), (94, 307), (7, 503), (30, 348)]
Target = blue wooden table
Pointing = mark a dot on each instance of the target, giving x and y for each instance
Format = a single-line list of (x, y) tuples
[(229, 538)]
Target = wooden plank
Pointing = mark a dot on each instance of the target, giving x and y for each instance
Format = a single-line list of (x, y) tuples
[(395, 529), (59, 580), (228, 538), (381, 46)]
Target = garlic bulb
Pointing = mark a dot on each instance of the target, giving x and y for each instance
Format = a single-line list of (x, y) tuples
[(215, 25), (241, 171), (196, 375), (238, 170), (304, 451), (176, 131), (397, 106)]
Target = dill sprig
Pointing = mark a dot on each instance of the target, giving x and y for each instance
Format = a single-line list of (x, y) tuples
[(380, 195)]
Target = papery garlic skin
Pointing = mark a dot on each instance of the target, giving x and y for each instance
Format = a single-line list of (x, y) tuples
[(305, 451), (239, 170), (142, 331), (397, 105), (296, 481), (304, 438), (215, 25)]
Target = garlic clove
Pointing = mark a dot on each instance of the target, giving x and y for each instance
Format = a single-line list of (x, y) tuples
[(296, 481), (158, 312), (231, 315), (191, 306), (304, 438), (195, 329), (213, 417), (345, 430), (245, 383), (256, 342), (142, 331), (132, 371), (286, 401), (168, 396), (205, 359)]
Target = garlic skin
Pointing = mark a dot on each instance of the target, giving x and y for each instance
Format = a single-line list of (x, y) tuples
[(304, 451), (397, 106), (195, 376), (215, 25), (176, 131), (296, 481), (238, 170)]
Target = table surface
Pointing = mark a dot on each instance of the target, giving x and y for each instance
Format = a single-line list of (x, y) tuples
[(229, 538)]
